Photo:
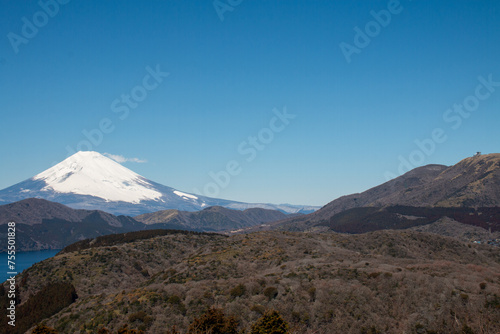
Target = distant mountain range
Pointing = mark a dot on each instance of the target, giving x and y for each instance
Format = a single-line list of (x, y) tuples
[(89, 180), (473, 182), (214, 218), (41, 224), (152, 278), (467, 193)]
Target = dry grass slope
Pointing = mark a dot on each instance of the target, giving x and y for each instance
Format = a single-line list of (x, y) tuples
[(380, 282)]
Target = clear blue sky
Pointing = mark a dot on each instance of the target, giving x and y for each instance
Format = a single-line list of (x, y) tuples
[(354, 120)]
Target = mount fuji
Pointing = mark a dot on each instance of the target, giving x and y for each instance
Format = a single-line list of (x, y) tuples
[(89, 180)]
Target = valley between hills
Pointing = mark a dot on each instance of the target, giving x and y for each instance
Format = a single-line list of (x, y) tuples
[(417, 254)]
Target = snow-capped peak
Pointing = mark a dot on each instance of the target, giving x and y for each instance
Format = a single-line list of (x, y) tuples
[(90, 173)]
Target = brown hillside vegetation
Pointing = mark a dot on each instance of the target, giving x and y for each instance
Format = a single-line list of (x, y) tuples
[(214, 218), (379, 282), (472, 182), (451, 228)]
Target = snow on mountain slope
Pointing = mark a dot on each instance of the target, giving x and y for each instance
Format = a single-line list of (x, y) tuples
[(184, 195), (89, 180), (90, 173)]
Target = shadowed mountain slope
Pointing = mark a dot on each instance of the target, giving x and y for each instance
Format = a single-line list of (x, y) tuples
[(473, 182)]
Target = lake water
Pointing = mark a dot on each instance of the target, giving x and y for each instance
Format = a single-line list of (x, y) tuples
[(24, 260)]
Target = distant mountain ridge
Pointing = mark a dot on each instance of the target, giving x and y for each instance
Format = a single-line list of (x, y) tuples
[(41, 224), (34, 211), (214, 218), (89, 180), (472, 182)]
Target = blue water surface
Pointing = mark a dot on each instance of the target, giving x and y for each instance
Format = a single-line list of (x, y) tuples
[(24, 260)]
